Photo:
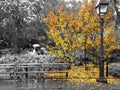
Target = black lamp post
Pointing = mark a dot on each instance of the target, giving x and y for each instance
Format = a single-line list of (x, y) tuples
[(101, 8)]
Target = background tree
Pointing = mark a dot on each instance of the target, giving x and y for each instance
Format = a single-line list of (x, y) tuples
[(18, 16)]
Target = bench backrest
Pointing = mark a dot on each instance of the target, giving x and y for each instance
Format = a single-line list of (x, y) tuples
[(39, 65)]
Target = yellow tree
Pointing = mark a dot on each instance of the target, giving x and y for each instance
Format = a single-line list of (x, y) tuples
[(61, 33), (91, 29), (69, 32)]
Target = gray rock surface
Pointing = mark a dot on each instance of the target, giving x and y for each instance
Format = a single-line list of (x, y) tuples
[(114, 69)]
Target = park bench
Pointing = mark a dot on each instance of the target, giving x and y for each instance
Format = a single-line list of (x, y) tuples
[(41, 68), (35, 68)]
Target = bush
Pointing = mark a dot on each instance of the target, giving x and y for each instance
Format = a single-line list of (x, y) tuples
[(115, 56), (27, 57)]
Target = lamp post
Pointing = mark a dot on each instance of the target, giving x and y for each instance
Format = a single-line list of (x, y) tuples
[(101, 8)]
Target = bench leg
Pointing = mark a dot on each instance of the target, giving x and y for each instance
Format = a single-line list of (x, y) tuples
[(11, 75), (66, 75), (26, 74)]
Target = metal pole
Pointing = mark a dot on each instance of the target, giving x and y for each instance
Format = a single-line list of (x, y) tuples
[(107, 68), (101, 62)]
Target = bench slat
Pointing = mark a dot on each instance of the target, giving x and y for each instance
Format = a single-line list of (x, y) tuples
[(34, 72), (7, 67)]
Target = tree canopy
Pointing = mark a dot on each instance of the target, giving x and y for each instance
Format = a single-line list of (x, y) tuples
[(69, 33), (23, 19)]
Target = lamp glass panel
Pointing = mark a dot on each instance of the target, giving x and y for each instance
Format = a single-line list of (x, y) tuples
[(118, 6), (103, 9)]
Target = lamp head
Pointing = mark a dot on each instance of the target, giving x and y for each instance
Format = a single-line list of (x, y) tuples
[(102, 7)]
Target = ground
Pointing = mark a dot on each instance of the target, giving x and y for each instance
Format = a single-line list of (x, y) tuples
[(79, 79), (78, 74), (54, 85)]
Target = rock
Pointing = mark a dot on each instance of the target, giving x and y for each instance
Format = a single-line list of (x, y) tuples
[(114, 69)]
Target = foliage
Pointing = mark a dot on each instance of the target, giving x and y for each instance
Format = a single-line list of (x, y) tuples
[(61, 32), (69, 33), (26, 56), (77, 75), (23, 19), (115, 56)]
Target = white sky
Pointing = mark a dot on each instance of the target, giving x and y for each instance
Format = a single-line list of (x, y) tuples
[(75, 0), (71, 0)]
